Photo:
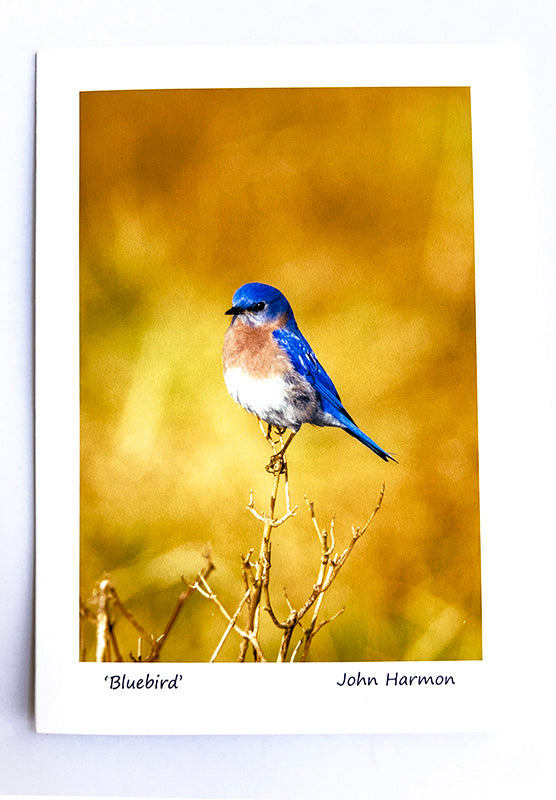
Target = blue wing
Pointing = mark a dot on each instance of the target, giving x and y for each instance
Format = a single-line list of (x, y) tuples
[(306, 363)]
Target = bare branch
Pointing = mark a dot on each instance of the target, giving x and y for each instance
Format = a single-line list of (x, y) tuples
[(256, 589), (269, 520), (256, 582), (298, 645), (185, 595), (127, 614), (324, 622), (285, 643), (312, 631), (102, 650), (231, 625), (114, 643), (249, 636)]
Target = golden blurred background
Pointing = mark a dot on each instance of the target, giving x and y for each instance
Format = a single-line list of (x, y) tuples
[(357, 204)]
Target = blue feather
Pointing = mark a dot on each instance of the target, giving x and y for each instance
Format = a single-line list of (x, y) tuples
[(306, 364)]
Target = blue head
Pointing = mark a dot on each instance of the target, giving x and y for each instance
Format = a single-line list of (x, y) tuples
[(260, 304)]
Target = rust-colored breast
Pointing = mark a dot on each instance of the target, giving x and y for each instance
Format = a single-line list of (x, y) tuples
[(254, 350)]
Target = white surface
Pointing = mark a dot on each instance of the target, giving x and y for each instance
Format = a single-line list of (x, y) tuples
[(448, 766), (210, 698)]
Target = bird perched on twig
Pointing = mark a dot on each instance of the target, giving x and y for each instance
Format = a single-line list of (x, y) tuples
[(271, 370)]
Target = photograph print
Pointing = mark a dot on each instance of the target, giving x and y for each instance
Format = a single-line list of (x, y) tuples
[(278, 378)]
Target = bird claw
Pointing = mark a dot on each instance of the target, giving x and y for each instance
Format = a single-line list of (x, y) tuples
[(277, 464)]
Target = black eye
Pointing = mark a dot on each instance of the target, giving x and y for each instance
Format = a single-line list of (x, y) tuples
[(257, 306)]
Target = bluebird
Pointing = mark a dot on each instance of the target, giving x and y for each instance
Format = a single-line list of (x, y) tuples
[(271, 370)]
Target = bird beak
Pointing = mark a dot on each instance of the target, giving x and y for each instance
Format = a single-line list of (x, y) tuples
[(234, 310)]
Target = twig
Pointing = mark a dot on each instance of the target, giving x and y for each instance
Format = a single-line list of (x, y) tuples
[(298, 645), (114, 643), (231, 625), (290, 512), (207, 592), (330, 565), (256, 580), (312, 631), (246, 569), (158, 643), (285, 643), (256, 588), (324, 622), (127, 614), (102, 649)]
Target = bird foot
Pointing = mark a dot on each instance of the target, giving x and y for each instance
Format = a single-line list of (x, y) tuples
[(277, 464)]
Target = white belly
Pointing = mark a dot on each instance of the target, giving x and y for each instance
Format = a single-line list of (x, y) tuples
[(259, 396), (278, 402)]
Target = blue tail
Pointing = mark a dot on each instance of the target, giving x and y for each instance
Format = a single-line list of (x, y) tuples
[(350, 427)]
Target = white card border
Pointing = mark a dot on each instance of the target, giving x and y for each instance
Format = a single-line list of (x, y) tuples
[(73, 697)]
